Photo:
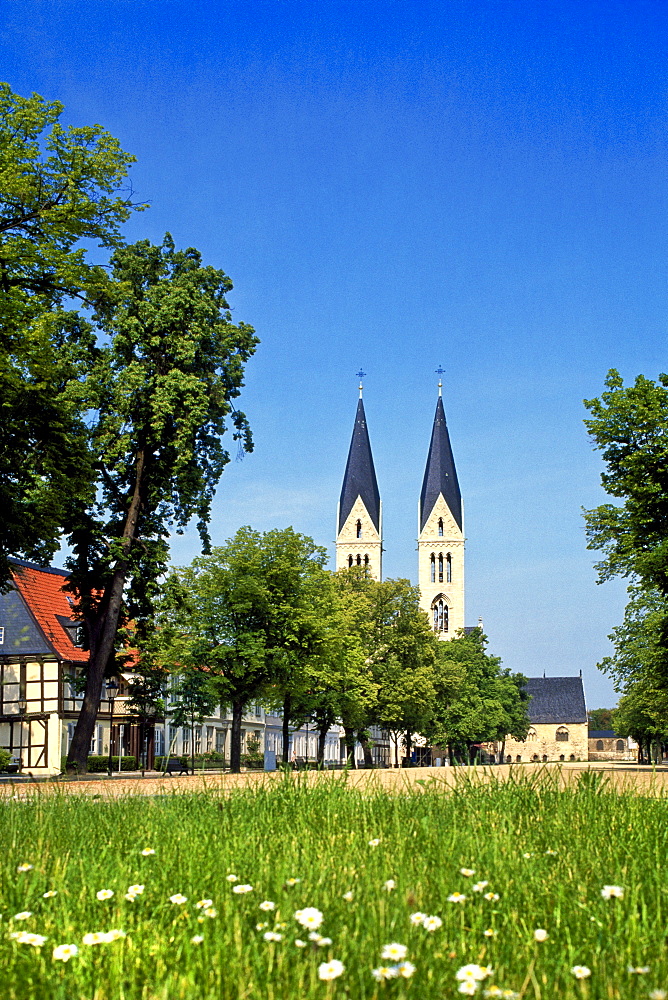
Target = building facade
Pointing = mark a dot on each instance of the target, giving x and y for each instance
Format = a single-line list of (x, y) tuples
[(558, 717)]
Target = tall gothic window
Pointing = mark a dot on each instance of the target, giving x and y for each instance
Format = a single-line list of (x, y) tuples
[(350, 561), (441, 614), (366, 560), (433, 568), (358, 529), (359, 560), (440, 527), (440, 567), (448, 568)]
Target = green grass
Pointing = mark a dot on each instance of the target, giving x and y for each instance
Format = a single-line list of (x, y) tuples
[(288, 829)]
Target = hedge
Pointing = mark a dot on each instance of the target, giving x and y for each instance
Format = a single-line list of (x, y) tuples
[(97, 764)]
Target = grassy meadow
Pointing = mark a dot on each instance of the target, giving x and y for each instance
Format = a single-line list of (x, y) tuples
[(362, 870)]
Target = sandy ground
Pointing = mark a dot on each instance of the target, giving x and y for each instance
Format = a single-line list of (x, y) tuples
[(623, 777)]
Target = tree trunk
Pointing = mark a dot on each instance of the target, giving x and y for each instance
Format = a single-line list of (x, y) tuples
[(287, 706), (323, 729), (235, 736), (366, 748), (102, 628), (408, 748), (350, 747)]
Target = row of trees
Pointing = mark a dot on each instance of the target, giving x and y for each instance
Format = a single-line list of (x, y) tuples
[(629, 424), (120, 370), (259, 618)]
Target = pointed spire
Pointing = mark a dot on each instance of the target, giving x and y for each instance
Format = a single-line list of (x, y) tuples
[(440, 475), (360, 476)]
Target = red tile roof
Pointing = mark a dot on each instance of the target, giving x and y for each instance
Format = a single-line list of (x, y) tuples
[(42, 590)]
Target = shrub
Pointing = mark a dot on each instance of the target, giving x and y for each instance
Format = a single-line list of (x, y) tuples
[(98, 763), (5, 759)]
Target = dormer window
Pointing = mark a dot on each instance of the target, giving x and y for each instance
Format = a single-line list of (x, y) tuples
[(358, 529), (2, 634)]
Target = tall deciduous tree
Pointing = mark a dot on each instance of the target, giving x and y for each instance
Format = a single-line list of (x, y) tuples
[(61, 191), (159, 395)]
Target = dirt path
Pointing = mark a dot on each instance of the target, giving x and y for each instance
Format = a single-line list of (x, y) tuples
[(627, 777)]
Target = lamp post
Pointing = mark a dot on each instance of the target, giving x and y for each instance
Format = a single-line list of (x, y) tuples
[(112, 688), (22, 705)]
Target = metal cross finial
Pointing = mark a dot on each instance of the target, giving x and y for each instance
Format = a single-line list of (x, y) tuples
[(440, 371), (360, 375)]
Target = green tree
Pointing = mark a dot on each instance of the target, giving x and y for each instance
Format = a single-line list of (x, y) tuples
[(61, 192), (161, 388), (629, 424), (245, 613), (194, 696), (601, 718)]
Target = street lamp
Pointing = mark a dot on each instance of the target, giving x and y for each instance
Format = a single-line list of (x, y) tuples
[(22, 706), (112, 688)]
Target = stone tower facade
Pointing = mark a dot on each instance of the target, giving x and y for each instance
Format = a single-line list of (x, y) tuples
[(359, 523), (441, 534)]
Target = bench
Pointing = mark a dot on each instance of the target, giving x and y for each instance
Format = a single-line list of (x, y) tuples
[(173, 765)]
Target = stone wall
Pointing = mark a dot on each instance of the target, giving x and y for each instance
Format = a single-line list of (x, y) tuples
[(542, 742)]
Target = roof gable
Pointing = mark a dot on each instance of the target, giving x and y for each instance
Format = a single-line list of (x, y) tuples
[(557, 700), (43, 595)]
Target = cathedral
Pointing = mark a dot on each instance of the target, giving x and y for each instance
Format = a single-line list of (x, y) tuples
[(359, 527)]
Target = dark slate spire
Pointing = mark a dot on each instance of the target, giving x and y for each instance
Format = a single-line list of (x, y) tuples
[(440, 475), (360, 476)]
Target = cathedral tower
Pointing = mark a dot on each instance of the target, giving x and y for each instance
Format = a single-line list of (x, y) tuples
[(441, 534), (359, 524)]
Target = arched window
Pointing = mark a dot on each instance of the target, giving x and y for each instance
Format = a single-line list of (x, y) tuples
[(448, 565), (358, 529), (518, 759), (509, 759), (572, 757), (562, 734), (532, 735), (359, 560), (366, 560), (441, 614), (440, 567), (350, 560), (600, 745), (440, 527), (433, 568), (535, 757), (544, 758), (620, 746), (561, 757)]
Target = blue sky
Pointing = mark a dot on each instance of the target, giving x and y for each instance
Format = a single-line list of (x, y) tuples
[(477, 185)]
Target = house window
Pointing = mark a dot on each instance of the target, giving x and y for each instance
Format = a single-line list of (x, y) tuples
[(448, 565), (440, 567), (209, 738), (366, 560), (159, 742), (620, 746), (359, 560), (562, 734), (358, 529), (433, 568), (518, 759), (350, 561), (532, 735), (440, 527), (441, 614), (2, 634), (185, 740), (599, 745), (198, 740)]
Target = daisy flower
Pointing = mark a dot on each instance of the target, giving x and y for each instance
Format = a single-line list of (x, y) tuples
[(467, 872), (105, 893), (638, 970), (241, 890), (135, 890), (395, 952), (272, 936), (211, 912), (375, 842), (348, 896), (50, 894), (232, 878), (490, 932), (492, 896), (390, 885), (147, 852), (64, 952), (178, 899), (292, 881), (406, 969), (23, 915), (432, 923), (469, 987), (196, 939), (267, 905), (300, 944), (581, 971), (475, 972), (385, 972), (203, 904), (612, 892), (540, 934), (35, 940), (456, 897), (657, 995), (25, 867), (417, 918), (309, 917), (331, 970), (479, 886)]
